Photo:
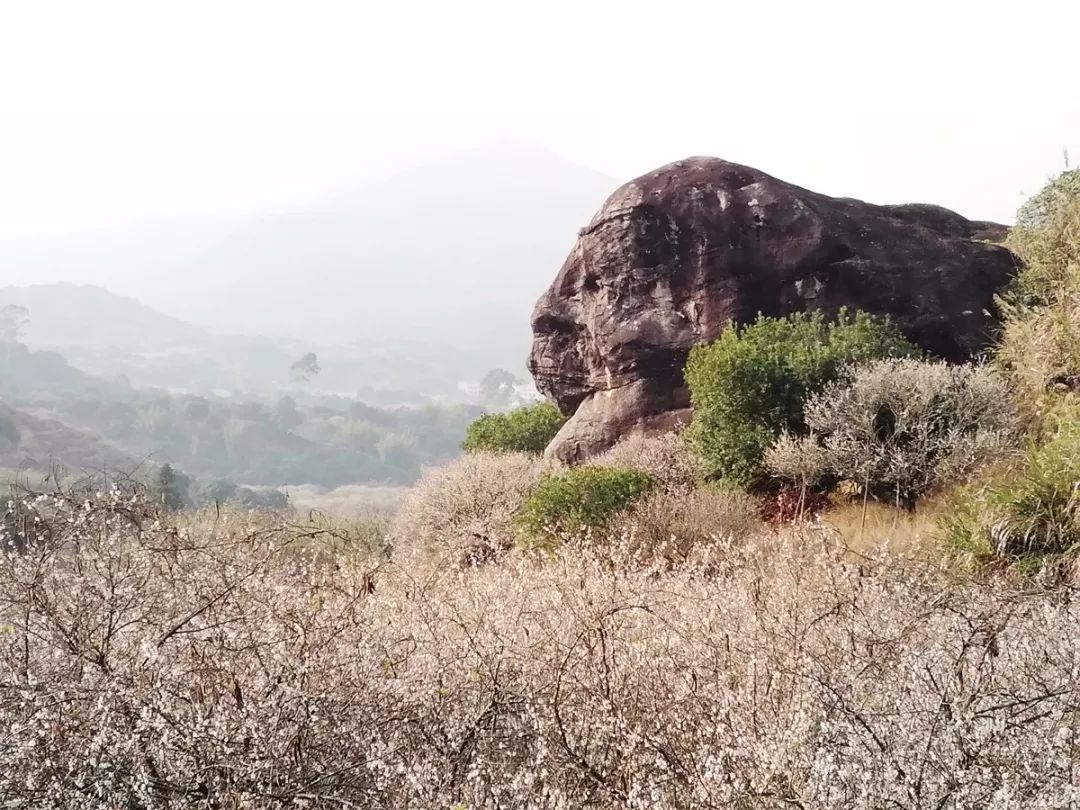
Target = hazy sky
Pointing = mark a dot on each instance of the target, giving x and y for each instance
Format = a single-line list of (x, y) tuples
[(115, 112)]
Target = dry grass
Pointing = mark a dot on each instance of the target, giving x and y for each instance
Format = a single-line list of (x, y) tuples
[(899, 531), (1040, 348), (674, 525), (666, 457), (144, 666), (467, 504), (354, 500)]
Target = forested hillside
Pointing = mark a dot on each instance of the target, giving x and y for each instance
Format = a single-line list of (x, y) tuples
[(81, 420)]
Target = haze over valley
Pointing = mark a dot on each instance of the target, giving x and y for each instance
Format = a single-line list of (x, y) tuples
[(409, 291), (452, 253)]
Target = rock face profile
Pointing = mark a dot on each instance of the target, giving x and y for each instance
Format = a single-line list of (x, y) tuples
[(675, 255)]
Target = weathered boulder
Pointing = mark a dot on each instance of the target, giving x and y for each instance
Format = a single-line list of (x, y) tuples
[(673, 256)]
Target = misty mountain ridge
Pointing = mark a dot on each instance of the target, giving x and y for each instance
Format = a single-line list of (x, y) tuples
[(453, 253), (65, 315), (109, 335)]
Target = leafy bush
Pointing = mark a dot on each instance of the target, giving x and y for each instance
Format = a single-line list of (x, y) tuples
[(749, 385), (523, 430), (469, 501), (900, 427), (576, 500), (1029, 509), (668, 458)]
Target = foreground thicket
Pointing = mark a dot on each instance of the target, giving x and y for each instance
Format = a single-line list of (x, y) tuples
[(226, 665)]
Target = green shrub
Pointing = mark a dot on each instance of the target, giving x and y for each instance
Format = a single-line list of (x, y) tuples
[(576, 500), (523, 430), (749, 385), (1029, 510), (900, 427), (1040, 347)]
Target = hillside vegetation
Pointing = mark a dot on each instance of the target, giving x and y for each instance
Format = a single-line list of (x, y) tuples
[(254, 663), (869, 605)]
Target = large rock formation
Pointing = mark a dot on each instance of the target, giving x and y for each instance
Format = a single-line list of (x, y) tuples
[(675, 255)]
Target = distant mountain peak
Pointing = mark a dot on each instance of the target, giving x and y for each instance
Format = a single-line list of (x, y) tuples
[(66, 313), (454, 251)]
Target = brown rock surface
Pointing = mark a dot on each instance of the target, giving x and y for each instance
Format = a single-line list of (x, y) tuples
[(673, 256)]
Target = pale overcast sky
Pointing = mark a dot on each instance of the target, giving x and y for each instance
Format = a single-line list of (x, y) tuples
[(118, 112)]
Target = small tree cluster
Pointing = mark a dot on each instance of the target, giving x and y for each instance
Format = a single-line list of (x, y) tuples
[(749, 385), (498, 389), (9, 429), (305, 368), (13, 319), (172, 489)]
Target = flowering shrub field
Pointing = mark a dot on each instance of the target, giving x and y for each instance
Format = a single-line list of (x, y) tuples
[(246, 662)]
